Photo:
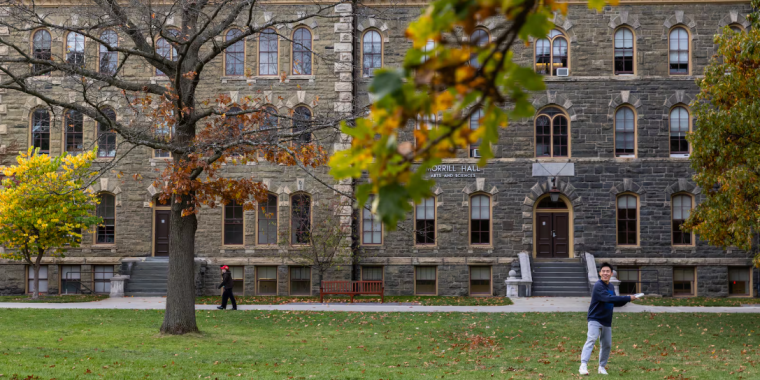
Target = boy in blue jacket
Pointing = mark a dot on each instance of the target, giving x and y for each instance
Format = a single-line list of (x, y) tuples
[(603, 301)]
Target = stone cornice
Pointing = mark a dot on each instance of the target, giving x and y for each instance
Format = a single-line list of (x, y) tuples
[(64, 3)]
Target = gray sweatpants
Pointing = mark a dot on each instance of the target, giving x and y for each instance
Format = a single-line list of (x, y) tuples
[(604, 334)]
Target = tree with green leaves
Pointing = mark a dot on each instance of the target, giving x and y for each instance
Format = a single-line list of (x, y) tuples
[(439, 77), (726, 142), (43, 207)]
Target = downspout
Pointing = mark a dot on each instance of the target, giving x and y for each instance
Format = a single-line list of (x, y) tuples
[(355, 246)]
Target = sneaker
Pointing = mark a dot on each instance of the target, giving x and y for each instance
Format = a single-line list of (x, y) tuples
[(220, 308), (602, 371), (583, 370)]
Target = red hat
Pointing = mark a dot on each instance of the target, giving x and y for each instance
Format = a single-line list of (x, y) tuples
[(225, 267)]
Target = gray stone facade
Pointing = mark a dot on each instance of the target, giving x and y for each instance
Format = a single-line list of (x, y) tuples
[(589, 96)]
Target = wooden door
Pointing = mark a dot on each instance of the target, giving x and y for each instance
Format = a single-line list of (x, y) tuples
[(561, 236), (544, 239), (161, 233)]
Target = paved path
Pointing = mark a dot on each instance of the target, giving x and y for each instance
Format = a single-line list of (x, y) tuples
[(522, 305)]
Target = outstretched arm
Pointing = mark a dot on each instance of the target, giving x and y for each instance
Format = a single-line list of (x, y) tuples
[(601, 294)]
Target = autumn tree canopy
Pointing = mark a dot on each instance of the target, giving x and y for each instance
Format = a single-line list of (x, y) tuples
[(43, 207), (726, 142)]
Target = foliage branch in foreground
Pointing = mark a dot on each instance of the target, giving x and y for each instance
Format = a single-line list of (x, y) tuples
[(725, 143), (445, 78)]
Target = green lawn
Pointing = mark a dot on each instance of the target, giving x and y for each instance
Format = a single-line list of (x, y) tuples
[(421, 300), (696, 301), (55, 299), (124, 344)]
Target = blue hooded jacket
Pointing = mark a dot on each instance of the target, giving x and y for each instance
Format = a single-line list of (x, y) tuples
[(603, 301)]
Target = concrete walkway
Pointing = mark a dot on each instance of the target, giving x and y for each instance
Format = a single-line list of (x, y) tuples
[(522, 305)]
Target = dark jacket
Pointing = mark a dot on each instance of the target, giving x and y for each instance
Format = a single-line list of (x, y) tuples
[(603, 301), (226, 280)]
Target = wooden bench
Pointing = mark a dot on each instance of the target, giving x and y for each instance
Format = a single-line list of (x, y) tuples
[(352, 288)]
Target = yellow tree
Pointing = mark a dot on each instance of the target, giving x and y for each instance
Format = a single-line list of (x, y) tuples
[(43, 209)]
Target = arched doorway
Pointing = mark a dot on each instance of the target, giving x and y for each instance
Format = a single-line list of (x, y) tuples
[(553, 227)]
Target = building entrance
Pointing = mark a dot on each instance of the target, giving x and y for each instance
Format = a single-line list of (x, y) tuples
[(161, 228), (552, 229)]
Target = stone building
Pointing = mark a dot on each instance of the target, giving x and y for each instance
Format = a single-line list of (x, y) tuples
[(601, 171)]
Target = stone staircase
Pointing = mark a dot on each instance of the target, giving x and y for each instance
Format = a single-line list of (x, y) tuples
[(559, 278), (148, 278)]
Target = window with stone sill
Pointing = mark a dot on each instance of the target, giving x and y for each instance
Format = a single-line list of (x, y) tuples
[(266, 280), (300, 219), (679, 128), (234, 55), (624, 51), (300, 281), (480, 281), (424, 215), (106, 136), (551, 53), (268, 48), (43, 278), (233, 223), (372, 227), (683, 282), (106, 210), (625, 132), (629, 280), (267, 221), (480, 220), (372, 52), (109, 59), (679, 51), (682, 205), (552, 133), (71, 276), (74, 124), (374, 273), (238, 279), (41, 50), (102, 278), (425, 280), (475, 124), (302, 57), (739, 281), (41, 131), (75, 49), (627, 220)]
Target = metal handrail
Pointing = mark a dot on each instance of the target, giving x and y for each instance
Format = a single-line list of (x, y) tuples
[(82, 284)]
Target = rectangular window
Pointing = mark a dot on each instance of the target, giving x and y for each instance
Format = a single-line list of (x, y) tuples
[(233, 224), (425, 222), (626, 220), (480, 281), (300, 219), (424, 280), (43, 279), (629, 280), (372, 227), (372, 273), (106, 232), (681, 212), (267, 221), (238, 276), (683, 281), (266, 281), (300, 281), (102, 277), (738, 281), (71, 276), (480, 220)]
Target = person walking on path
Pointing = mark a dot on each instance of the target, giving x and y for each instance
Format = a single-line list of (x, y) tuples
[(227, 283), (603, 301)]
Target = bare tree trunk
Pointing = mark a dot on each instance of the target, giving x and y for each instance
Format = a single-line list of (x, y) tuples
[(180, 298), (36, 292)]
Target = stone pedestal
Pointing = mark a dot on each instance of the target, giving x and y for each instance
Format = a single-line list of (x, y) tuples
[(118, 284), (615, 282)]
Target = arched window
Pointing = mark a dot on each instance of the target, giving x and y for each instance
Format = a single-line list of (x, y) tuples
[(475, 124), (424, 228), (267, 221), (109, 59), (480, 220), (41, 131), (302, 52), (627, 223), (625, 132), (623, 51), (107, 229), (41, 43), (106, 136), (736, 28), (682, 205), (166, 50), (301, 121), (300, 219), (552, 133), (269, 119), (74, 121), (679, 51), (268, 40), (75, 49), (551, 53), (679, 128), (233, 223), (372, 227), (372, 53), (234, 56), (479, 38)]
